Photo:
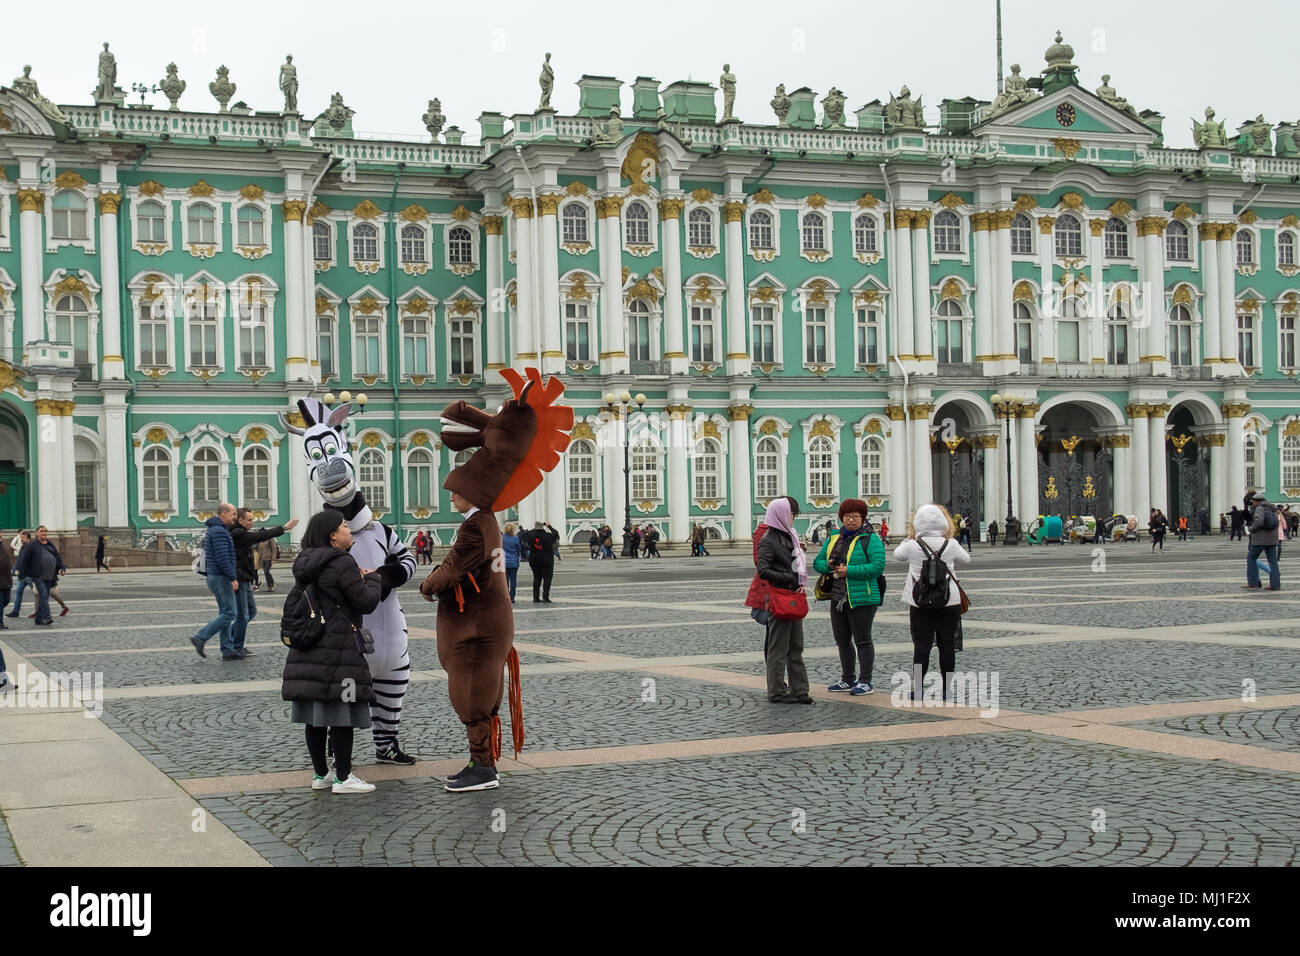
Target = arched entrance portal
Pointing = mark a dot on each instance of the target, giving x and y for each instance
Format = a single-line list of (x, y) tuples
[(14, 469), (1188, 470), (1075, 473), (957, 462)]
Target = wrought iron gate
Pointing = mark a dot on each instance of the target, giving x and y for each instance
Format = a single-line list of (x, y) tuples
[(1190, 470), (966, 481), (1072, 488)]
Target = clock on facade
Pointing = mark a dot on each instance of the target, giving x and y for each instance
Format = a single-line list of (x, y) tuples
[(1065, 114)]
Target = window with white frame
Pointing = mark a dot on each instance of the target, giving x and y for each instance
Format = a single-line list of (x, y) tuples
[(947, 232), (760, 230), (252, 334), (462, 360), (821, 468), (814, 232), (708, 456), (1291, 461), (1250, 451), (864, 235), (948, 332), (372, 477), (150, 222), (1117, 335), (1115, 237), (201, 314), (638, 331), (325, 345), (582, 471), (256, 469), (1180, 336), (1245, 247), (156, 479), (1246, 338), (645, 471), (815, 330), (154, 334), (763, 333), (70, 217), (767, 468), (573, 223), (1022, 235), (365, 243), (1177, 246), (871, 470), (460, 246), (1024, 323), (415, 345), (702, 333), (636, 219), (72, 325), (420, 486), (201, 224), (577, 331), (699, 228), (1286, 341), (867, 335), (1067, 331), (366, 343), (414, 244), (85, 485), (1067, 235), (322, 242), (250, 224), (1286, 249), (205, 479)]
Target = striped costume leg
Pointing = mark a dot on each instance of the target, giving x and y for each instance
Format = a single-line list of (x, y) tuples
[(386, 710)]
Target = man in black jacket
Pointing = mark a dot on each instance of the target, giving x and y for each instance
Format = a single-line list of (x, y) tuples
[(40, 560), (246, 539), (541, 558)]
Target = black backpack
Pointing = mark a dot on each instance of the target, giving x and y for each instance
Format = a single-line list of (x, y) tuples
[(1270, 519), (932, 588), (302, 624)]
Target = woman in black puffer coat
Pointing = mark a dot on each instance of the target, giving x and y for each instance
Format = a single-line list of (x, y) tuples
[(329, 682)]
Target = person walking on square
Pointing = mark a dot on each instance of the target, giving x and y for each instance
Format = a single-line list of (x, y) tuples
[(884, 530), (1264, 531), (856, 558), (329, 683), (1182, 527), (541, 559), (40, 560), (267, 553), (99, 555), (607, 543), (993, 534), (7, 561), (931, 532), (1157, 525), (20, 542), (652, 542), (780, 562), (510, 547), (223, 581), (247, 543), (636, 542)]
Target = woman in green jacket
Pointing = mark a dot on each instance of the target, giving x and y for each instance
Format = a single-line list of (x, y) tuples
[(855, 557)]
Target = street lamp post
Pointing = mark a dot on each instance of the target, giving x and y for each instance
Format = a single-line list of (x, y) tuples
[(1006, 406), (616, 404)]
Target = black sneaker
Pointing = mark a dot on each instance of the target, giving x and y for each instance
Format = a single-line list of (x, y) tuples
[(12, 614), (244, 652), (475, 777), (394, 755), (232, 657), (198, 646), (460, 773)]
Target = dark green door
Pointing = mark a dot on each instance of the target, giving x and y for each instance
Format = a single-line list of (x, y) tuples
[(13, 498)]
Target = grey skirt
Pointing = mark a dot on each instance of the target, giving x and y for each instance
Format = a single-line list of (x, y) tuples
[(332, 713)]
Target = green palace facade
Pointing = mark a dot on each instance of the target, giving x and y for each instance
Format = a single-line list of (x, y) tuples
[(811, 305)]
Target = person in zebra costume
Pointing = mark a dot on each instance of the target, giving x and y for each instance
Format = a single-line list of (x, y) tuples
[(375, 546)]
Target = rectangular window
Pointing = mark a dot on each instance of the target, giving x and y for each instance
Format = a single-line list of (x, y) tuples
[(701, 333), (154, 327), (365, 357), (1180, 344), (820, 474), (1286, 344), (203, 334), (1117, 344), (1246, 339), (868, 337), (763, 318), (415, 346), (462, 347), (252, 336), (1024, 341), (1067, 342), (325, 344), (419, 485), (577, 332), (85, 486), (948, 344), (815, 335), (638, 334)]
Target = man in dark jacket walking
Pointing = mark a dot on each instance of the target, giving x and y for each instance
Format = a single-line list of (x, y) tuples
[(1263, 540), (223, 582), (245, 539), (40, 561), (541, 558)]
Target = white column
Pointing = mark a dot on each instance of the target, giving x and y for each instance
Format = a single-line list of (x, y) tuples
[(615, 495), (557, 502), (116, 448), (1159, 468), (308, 259), (1151, 269), (899, 453), (1140, 463), (1026, 469), (1220, 496), (297, 366), (1120, 460), (1097, 280), (670, 216), (497, 306), (49, 475), (67, 468), (1047, 348), (527, 352), (32, 254), (1003, 325), (986, 349), (922, 466), (1227, 292), (921, 293), (110, 293), (738, 357), (679, 501), (1210, 328), (742, 494), (552, 328), (302, 503), (902, 304), (613, 342), (993, 479), (1236, 450)]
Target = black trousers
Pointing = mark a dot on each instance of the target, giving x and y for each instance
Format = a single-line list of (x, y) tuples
[(928, 628), (851, 628), (340, 740), (543, 571)]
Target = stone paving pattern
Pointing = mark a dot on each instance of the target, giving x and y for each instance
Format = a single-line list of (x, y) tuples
[(1277, 729)]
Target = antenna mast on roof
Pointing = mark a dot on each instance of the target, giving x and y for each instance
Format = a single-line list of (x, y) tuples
[(999, 5)]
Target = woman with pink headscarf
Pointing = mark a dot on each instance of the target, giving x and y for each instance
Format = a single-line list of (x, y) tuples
[(781, 563)]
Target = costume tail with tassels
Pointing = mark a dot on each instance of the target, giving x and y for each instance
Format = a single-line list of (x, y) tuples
[(516, 694)]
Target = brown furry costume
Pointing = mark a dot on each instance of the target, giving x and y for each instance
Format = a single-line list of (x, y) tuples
[(475, 620)]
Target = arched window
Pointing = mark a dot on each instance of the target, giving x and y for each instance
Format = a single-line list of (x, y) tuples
[(372, 474), (413, 243), (206, 479), (1250, 451), (70, 220), (582, 471), (948, 332), (72, 325), (256, 468), (201, 223), (767, 468), (365, 243), (645, 471), (1117, 335), (638, 331), (1291, 461), (251, 226), (1286, 248), (321, 242), (461, 457), (872, 467), (1068, 236), (707, 469), (947, 231), (1067, 331), (1116, 238), (814, 232), (1177, 248), (151, 222), (574, 222), (156, 479), (637, 220), (760, 230), (1245, 247), (419, 479), (1022, 235), (1180, 336), (821, 468), (699, 228), (864, 235), (460, 246), (1024, 318)]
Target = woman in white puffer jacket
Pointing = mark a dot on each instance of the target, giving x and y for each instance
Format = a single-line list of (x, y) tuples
[(933, 525)]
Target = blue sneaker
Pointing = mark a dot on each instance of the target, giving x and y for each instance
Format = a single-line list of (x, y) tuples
[(861, 689), (840, 686)]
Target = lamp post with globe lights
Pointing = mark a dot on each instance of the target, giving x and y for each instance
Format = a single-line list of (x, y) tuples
[(620, 406)]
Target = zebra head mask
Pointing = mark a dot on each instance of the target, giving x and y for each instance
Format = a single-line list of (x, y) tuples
[(325, 444)]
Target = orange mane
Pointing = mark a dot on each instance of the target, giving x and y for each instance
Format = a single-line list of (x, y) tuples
[(554, 422)]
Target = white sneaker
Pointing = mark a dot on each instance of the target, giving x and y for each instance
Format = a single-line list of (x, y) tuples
[(353, 784), (325, 782)]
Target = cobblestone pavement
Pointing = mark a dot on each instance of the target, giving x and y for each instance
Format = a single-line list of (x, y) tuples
[(1145, 715)]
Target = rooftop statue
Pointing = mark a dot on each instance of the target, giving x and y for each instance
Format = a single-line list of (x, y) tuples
[(1014, 92), (1255, 137), (433, 118), (902, 112), (26, 87), (728, 84), (1209, 134), (107, 75), (547, 81), (1107, 93), (337, 115), (289, 84), (221, 88), (781, 104), (833, 103), (172, 86), (611, 134)]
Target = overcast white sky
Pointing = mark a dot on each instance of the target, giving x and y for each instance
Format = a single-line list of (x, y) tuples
[(388, 59)]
